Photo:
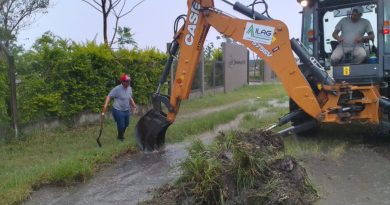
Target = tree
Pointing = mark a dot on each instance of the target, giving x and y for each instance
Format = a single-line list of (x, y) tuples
[(115, 8), (16, 15), (2, 2), (125, 37), (208, 51)]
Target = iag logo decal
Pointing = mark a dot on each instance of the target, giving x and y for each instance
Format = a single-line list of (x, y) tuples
[(193, 20), (259, 33)]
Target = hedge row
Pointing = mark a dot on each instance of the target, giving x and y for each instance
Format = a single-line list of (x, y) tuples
[(61, 78)]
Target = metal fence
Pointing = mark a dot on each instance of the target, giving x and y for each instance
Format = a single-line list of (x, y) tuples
[(209, 77), (214, 74)]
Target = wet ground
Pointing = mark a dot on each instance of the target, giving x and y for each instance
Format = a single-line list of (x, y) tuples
[(126, 182), (205, 112), (359, 176), (129, 181)]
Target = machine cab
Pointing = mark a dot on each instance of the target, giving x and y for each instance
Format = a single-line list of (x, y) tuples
[(319, 18)]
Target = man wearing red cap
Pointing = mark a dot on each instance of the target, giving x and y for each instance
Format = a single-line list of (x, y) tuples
[(123, 101)]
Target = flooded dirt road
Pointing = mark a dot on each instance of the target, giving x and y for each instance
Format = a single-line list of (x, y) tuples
[(124, 183), (129, 181)]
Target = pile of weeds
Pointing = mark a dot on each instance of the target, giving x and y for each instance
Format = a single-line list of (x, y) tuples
[(239, 168)]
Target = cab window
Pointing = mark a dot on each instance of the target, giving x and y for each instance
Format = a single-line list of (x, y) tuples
[(386, 27), (307, 29), (332, 17)]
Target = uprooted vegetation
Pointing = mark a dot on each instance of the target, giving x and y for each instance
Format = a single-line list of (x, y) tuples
[(239, 168)]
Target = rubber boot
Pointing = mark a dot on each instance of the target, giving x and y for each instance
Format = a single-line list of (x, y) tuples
[(121, 132)]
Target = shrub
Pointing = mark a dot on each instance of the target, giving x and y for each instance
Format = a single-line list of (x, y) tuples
[(3, 92), (62, 78)]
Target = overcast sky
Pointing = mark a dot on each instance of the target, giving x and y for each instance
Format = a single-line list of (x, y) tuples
[(151, 22)]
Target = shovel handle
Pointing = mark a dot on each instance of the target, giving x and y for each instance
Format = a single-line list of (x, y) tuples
[(101, 129)]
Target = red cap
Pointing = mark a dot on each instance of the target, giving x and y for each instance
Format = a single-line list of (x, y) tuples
[(125, 77)]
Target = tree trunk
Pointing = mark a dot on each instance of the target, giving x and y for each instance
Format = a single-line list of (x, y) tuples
[(105, 12), (12, 84), (105, 35)]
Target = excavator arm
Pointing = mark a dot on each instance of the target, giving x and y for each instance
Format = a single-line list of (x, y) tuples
[(267, 38)]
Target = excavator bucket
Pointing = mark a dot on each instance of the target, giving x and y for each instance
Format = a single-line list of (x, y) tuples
[(150, 130)]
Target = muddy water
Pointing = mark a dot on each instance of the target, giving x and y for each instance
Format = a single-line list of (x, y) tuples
[(204, 112), (129, 181), (360, 177), (278, 103), (123, 183)]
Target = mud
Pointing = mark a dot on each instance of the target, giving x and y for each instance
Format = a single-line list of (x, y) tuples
[(360, 172), (360, 177), (243, 174)]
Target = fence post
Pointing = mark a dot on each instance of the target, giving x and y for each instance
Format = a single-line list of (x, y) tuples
[(214, 62), (202, 74), (224, 65), (247, 67)]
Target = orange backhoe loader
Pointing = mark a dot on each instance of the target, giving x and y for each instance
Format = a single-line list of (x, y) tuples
[(314, 92)]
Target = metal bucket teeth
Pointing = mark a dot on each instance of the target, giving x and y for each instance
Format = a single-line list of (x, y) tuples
[(150, 130)]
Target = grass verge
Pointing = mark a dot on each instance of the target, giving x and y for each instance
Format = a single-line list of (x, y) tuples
[(67, 156)]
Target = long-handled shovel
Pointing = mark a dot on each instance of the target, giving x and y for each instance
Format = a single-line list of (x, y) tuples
[(100, 132)]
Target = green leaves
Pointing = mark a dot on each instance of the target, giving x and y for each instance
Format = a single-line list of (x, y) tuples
[(63, 78), (125, 37), (3, 91)]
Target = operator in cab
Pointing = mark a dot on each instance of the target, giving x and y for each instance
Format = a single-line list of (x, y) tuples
[(353, 30)]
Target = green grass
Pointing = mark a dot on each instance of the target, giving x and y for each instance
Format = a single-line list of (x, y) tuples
[(266, 91), (330, 142), (67, 156), (182, 130), (265, 119), (61, 157)]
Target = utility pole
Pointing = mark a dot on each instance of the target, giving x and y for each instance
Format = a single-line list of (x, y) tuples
[(12, 84)]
